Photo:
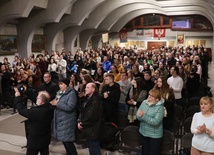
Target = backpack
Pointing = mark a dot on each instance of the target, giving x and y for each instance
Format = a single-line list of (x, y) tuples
[(110, 136)]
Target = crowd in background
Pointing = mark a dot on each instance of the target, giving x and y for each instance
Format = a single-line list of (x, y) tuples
[(124, 78)]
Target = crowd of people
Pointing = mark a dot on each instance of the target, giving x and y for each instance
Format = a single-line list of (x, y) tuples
[(93, 86)]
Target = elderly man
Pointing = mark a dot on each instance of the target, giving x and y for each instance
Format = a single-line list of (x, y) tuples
[(39, 122), (90, 121)]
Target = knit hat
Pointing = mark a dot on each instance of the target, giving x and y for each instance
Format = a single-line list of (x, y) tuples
[(65, 81)]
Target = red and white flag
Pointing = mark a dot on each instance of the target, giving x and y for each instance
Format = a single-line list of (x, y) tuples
[(158, 33)]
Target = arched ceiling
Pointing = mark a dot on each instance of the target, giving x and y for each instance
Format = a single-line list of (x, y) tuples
[(96, 15)]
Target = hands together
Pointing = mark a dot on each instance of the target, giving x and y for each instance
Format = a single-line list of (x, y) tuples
[(140, 113), (54, 102), (203, 128)]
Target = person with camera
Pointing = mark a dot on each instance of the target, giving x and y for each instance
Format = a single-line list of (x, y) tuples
[(38, 123)]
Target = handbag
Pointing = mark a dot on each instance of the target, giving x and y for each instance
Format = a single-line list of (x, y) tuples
[(132, 114)]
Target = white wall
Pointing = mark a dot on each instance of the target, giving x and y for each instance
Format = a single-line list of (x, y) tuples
[(59, 41)]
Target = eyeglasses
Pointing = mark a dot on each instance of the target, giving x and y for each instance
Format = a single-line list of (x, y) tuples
[(39, 98), (151, 95)]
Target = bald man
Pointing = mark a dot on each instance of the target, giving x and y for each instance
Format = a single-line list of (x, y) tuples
[(90, 121)]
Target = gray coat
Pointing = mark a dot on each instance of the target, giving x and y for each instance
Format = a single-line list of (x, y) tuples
[(65, 118)]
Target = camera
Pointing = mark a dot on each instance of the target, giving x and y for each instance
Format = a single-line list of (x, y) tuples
[(21, 88)]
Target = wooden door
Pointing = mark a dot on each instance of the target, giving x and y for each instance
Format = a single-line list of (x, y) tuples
[(154, 45)]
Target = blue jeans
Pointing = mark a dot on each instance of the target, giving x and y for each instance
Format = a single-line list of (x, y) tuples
[(123, 107), (93, 146)]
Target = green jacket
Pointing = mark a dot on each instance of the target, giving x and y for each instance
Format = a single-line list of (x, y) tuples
[(151, 123)]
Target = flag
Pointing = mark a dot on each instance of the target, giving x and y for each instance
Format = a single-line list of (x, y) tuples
[(123, 36), (158, 33)]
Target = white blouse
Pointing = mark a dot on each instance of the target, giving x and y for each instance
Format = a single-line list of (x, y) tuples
[(203, 141)]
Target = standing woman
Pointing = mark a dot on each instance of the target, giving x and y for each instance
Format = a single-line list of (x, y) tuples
[(65, 118), (135, 97), (130, 75), (52, 68), (203, 129), (98, 78), (150, 114), (168, 95), (76, 81)]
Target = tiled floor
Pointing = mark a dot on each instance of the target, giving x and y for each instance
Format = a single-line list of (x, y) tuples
[(11, 144), (12, 140)]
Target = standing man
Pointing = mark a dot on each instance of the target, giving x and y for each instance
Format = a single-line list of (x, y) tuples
[(39, 122), (148, 83), (125, 86), (6, 83), (110, 96), (106, 64), (176, 83), (49, 86), (90, 121)]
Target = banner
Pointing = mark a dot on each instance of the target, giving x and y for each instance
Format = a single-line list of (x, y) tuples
[(148, 32), (140, 32), (123, 36), (158, 33), (105, 38)]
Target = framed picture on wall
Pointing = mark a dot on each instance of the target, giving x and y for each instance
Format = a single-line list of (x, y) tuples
[(137, 43), (131, 43), (142, 44), (189, 42), (196, 42), (171, 43), (180, 38), (202, 42), (8, 44), (39, 43)]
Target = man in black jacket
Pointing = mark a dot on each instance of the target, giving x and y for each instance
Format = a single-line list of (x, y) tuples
[(110, 97), (90, 120), (38, 123), (49, 86)]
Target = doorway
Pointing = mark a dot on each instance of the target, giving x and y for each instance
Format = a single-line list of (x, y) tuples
[(154, 44)]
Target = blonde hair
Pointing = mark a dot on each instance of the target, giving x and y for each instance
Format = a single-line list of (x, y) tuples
[(208, 100), (155, 93)]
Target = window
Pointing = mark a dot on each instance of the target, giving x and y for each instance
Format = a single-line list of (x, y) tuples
[(181, 23), (151, 20), (200, 22)]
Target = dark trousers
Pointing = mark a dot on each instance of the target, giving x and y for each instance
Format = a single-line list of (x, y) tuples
[(42, 151), (110, 112), (94, 147), (70, 148), (180, 102), (151, 146)]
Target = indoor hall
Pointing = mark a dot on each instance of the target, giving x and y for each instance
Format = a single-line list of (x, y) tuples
[(36, 26), (12, 132)]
